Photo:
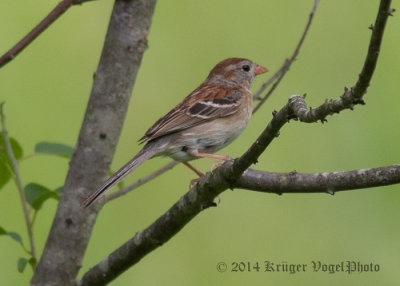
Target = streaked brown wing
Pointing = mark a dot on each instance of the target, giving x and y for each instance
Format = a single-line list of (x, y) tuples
[(192, 111)]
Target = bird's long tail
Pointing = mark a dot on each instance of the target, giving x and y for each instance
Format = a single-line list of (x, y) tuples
[(146, 153)]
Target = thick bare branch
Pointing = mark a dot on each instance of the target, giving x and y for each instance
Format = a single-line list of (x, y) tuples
[(123, 49), (293, 182)]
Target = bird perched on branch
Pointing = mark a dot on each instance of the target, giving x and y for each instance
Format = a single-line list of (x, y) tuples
[(208, 119)]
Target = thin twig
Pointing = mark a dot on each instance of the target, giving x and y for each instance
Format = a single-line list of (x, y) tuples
[(38, 29), (271, 80), (141, 181), (18, 181), (285, 67)]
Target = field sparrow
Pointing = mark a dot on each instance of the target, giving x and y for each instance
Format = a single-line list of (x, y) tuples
[(208, 119)]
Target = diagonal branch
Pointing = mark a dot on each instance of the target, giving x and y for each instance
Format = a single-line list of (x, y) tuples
[(230, 174), (36, 31)]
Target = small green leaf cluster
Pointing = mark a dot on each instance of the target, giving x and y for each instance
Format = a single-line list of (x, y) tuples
[(35, 194)]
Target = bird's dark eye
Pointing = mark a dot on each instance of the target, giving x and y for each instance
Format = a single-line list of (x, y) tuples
[(246, 68)]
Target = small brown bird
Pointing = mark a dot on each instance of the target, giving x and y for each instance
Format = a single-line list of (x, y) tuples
[(208, 119)]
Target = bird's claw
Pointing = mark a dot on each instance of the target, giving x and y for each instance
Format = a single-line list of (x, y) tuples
[(218, 164)]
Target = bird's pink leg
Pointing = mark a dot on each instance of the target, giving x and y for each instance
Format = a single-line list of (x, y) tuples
[(215, 164), (214, 156), (200, 174), (205, 155)]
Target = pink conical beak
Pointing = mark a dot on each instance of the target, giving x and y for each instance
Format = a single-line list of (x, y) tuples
[(260, 70)]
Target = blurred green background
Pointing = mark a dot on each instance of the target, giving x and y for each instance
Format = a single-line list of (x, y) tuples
[(46, 89)]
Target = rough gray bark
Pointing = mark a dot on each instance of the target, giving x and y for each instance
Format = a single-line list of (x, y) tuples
[(125, 43), (327, 182)]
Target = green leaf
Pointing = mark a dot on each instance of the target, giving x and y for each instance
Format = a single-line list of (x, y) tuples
[(5, 162), (32, 262), (33, 191), (54, 149), (37, 194), (21, 264), (59, 190), (15, 236), (37, 203), (15, 146), (2, 231)]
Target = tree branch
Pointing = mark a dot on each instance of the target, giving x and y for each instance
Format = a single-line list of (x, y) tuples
[(125, 43), (36, 31), (230, 174), (373, 50), (293, 182)]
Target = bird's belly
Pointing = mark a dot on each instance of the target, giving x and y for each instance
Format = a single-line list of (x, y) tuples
[(206, 138)]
